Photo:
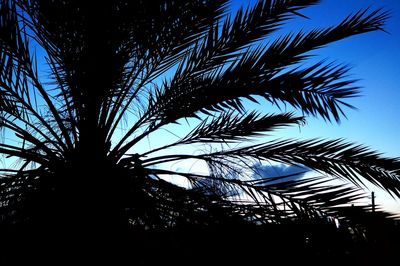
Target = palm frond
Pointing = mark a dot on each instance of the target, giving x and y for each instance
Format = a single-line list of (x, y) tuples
[(223, 43), (154, 63), (231, 127), (220, 46), (278, 199), (255, 73), (239, 127), (338, 158), (19, 78)]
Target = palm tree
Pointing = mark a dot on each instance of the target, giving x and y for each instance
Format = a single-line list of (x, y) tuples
[(118, 72)]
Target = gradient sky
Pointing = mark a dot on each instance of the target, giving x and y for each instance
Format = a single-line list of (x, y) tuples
[(374, 58)]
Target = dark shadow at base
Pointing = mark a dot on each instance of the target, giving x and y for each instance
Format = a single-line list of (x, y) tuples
[(194, 245)]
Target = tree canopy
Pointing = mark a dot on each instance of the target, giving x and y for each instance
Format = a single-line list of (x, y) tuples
[(83, 83)]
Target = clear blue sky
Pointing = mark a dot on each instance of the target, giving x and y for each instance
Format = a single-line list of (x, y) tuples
[(375, 60), (373, 57)]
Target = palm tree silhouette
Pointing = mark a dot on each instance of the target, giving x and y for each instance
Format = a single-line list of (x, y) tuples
[(144, 65)]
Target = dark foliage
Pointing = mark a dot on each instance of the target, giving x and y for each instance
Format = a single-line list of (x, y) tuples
[(144, 65)]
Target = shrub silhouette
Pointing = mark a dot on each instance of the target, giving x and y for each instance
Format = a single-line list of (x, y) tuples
[(146, 65)]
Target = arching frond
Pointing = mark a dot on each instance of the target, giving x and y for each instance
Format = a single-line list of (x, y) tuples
[(83, 85), (333, 157), (254, 73)]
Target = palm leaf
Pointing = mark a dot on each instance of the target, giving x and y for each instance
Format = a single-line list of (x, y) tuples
[(157, 63), (333, 157)]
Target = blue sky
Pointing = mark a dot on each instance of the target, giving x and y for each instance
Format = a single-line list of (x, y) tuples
[(375, 60), (373, 57)]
